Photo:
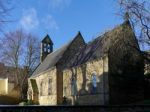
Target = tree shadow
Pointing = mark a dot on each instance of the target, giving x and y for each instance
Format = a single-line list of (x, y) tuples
[(83, 90), (93, 95), (87, 91)]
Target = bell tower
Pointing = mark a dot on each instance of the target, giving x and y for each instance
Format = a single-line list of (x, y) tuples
[(46, 47)]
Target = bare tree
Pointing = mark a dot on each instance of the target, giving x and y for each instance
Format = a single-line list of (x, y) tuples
[(31, 60), (32, 54), (20, 50), (139, 16), (12, 49)]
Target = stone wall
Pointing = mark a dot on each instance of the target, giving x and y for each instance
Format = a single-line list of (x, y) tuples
[(83, 75), (75, 46), (44, 97), (125, 68), (66, 61)]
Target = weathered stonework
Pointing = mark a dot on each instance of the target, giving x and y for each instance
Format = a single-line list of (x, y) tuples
[(45, 99), (65, 62), (55, 73), (83, 74), (108, 70), (126, 68)]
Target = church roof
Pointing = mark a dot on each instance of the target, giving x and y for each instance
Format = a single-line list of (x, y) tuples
[(101, 45), (52, 58), (47, 39), (92, 50)]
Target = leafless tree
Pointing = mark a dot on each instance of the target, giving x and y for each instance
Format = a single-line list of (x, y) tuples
[(21, 51), (31, 59), (139, 16), (138, 13), (32, 53), (11, 50)]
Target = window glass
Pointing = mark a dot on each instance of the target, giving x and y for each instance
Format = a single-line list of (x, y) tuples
[(50, 86), (43, 85), (45, 49), (45, 44), (73, 87)]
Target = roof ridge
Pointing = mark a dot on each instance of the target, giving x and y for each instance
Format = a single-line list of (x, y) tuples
[(111, 30)]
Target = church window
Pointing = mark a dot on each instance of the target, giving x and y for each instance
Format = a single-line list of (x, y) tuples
[(45, 45), (49, 86), (30, 94), (45, 49), (41, 88), (73, 87), (48, 48), (94, 83), (65, 91)]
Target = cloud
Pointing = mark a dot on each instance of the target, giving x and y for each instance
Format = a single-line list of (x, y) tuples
[(50, 23), (59, 3), (29, 19)]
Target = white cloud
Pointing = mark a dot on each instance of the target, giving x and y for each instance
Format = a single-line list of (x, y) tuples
[(29, 19), (59, 3), (50, 23)]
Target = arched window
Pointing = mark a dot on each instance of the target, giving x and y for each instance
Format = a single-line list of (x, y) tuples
[(65, 91), (44, 47), (30, 94), (73, 87), (94, 82), (48, 48), (49, 86)]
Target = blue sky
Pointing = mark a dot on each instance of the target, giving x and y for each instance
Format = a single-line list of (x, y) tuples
[(62, 19)]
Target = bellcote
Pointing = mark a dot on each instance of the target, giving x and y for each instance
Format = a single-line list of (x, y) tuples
[(46, 47)]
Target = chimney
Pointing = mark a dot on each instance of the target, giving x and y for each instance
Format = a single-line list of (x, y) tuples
[(46, 47)]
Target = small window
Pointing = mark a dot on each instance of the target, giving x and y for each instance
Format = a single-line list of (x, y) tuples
[(48, 48), (45, 44), (65, 91), (45, 49), (41, 88), (43, 85), (30, 94), (49, 86), (48, 45), (73, 87), (94, 83)]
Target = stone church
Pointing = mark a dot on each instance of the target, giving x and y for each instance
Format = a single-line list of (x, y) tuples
[(107, 70)]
